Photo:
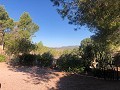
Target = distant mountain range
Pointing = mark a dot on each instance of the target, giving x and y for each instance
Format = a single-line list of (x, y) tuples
[(66, 47)]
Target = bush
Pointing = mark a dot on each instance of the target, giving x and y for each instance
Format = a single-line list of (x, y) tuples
[(46, 59), (27, 59), (117, 59), (2, 58), (39, 59), (70, 63)]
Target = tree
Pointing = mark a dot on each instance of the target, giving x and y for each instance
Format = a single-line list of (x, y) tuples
[(41, 48), (19, 45), (101, 16), (26, 24), (85, 42), (87, 53), (19, 39), (6, 24)]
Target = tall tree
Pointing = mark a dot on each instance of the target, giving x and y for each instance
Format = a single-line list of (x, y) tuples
[(6, 24), (101, 16), (19, 39), (26, 24)]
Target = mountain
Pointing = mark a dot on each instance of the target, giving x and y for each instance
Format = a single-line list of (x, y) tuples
[(66, 47)]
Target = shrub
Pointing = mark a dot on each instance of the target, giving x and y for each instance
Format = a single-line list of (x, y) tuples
[(46, 59), (70, 63), (39, 60), (27, 59), (117, 59), (2, 58)]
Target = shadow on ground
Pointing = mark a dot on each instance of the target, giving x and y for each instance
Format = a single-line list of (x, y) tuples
[(35, 75), (79, 82)]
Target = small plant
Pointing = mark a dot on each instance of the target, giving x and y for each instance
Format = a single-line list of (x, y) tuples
[(2, 58)]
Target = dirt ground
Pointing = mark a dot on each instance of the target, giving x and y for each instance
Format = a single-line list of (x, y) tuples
[(27, 78), (34, 78)]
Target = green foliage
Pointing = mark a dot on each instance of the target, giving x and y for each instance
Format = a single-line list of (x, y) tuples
[(3, 15), (102, 55), (20, 45), (6, 24), (85, 42), (70, 62), (46, 59), (88, 56), (19, 39), (25, 46), (68, 51), (98, 53), (101, 16), (96, 13), (87, 51), (27, 59), (26, 23), (2, 58), (41, 48), (117, 59)]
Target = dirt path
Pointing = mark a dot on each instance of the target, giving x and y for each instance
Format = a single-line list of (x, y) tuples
[(25, 78), (34, 78)]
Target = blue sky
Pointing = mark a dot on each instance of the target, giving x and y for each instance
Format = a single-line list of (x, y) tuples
[(54, 31)]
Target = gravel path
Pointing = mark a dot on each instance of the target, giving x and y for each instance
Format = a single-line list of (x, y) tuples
[(25, 78)]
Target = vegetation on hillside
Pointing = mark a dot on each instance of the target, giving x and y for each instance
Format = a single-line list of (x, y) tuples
[(100, 52)]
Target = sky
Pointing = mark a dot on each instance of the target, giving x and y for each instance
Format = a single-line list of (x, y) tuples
[(54, 31)]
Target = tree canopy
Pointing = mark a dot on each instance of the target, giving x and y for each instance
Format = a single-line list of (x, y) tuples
[(17, 36), (6, 23), (26, 23), (101, 16)]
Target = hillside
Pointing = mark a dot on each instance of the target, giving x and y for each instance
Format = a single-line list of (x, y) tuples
[(66, 47)]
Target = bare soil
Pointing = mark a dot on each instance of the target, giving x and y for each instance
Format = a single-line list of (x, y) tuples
[(35, 78), (28, 78)]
